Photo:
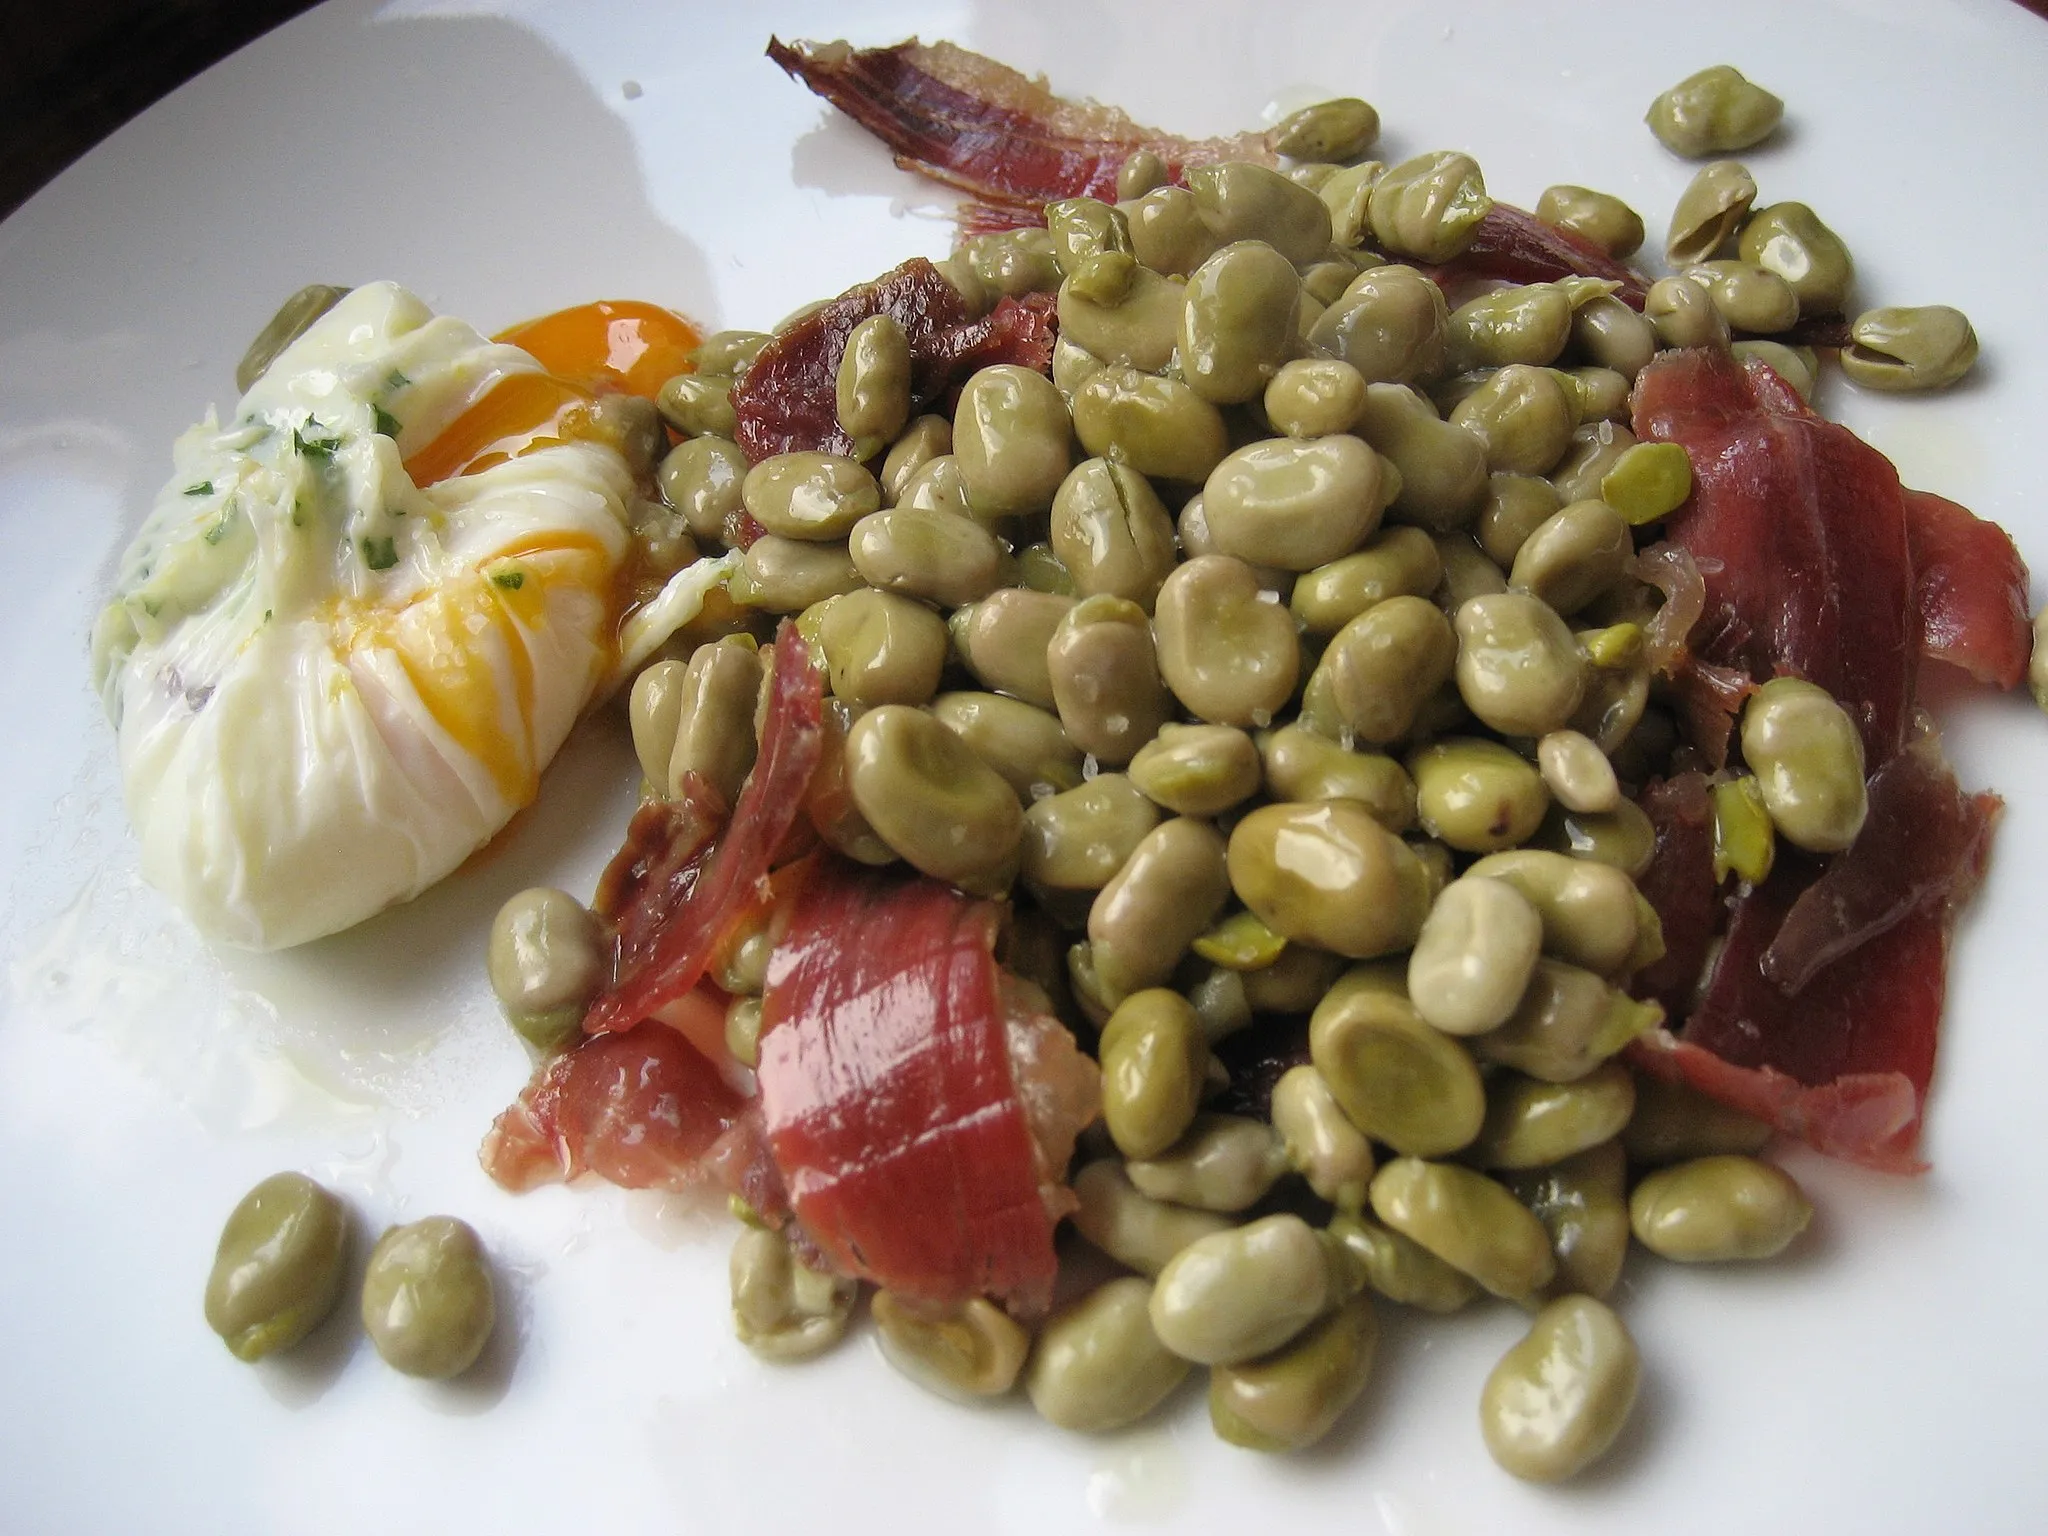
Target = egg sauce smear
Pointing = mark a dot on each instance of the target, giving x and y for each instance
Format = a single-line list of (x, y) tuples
[(365, 612)]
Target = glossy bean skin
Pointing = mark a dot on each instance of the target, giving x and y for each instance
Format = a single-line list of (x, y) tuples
[(1557, 1401), (1713, 112), (1137, 1231), (1605, 220), (1137, 329), (279, 1266), (1321, 1144), (1302, 765), (1442, 467), (1295, 504), (1790, 240), (1582, 1202), (1675, 1123), (1523, 416), (1429, 207), (1380, 669), (1401, 1269), (702, 479), (937, 556), (1533, 1124), (1237, 323), (881, 649), (1112, 533), (653, 708), (1223, 1163), (789, 575), (1168, 233), (546, 961), (1288, 1400), (1023, 743), (1574, 557), (937, 805), (921, 441), (1104, 668), (1389, 325), (1330, 875), (715, 719), (1568, 1023), (1474, 956), (1907, 350), (1808, 759), (1097, 1365), (1159, 427), (968, 1353), (1396, 562), (1198, 770), (1077, 840), (1241, 201), (1709, 212), (1168, 891), (1225, 648), (1314, 397), (1340, 129), (1467, 1220), (809, 495), (428, 1304), (1154, 1058), (1607, 332), (873, 385), (1592, 915), (1519, 669), (1010, 436), (1476, 795), (1003, 640), (1716, 1210), (1399, 1081), (1240, 1294), (783, 1310)]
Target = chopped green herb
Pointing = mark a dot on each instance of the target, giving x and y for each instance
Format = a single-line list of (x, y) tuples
[(298, 513), (387, 424), (221, 524), (315, 447), (266, 615), (380, 554), (152, 607), (511, 580), (203, 488), (395, 380)]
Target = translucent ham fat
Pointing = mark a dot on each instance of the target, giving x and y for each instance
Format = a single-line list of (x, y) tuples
[(920, 1106), (787, 400), (1971, 587)]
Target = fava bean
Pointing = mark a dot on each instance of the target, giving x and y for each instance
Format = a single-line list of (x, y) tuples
[(1713, 112), (1429, 207), (1569, 1022), (278, 1269), (882, 649), (1519, 669), (1399, 1081), (937, 556), (1401, 1269), (1442, 467), (1300, 764), (1003, 640), (1790, 240), (1137, 1231), (1474, 956), (1380, 669), (1077, 840), (1576, 772), (1582, 1202), (715, 719), (1898, 350), (1104, 669), (1168, 891), (1673, 1122), (1808, 759), (428, 1303), (1154, 1061), (1023, 743), (1295, 504), (1159, 427), (1314, 396), (1134, 322), (1604, 220), (1476, 795), (547, 960), (1716, 1210), (1320, 1143), (1112, 533), (1098, 1366), (925, 439), (1532, 1124), (1243, 1293), (809, 495), (702, 479), (1709, 212), (1198, 770), (926, 794), (653, 708), (1390, 325), (1241, 201), (1557, 1401), (968, 1352), (1467, 1220), (1328, 874), (1523, 417), (1010, 434), (1289, 1400), (1395, 562), (1221, 1163), (783, 1310), (873, 387), (1237, 325)]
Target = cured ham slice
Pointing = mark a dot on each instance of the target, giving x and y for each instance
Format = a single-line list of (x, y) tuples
[(787, 401), (920, 1113), (980, 126), (1680, 884), (680, 944), (1514, 244), (1971, 588)]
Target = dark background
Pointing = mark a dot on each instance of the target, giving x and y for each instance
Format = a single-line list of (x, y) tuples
[(73, 71)]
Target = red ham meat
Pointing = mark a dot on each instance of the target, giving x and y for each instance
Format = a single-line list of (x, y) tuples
[(1680, 884), (1799, 529), (679, 942), (787, 400), (1514, 244), (643, 1108), (919, 1107), (1000, 137), (1971, 587)]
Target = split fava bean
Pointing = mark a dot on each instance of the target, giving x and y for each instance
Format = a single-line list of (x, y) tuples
[(1226, 648), (1098, 1365), (1134, 1229), (279, 1266), (1221, 1163), (1112, 533), (969, 1352), (1582, 1201), (1898, 349), (1399, 1080), (1330, 875), (1474, 956), (1242, 1293), (1154, 1059), (783, 1310), (1557, 1401), (1717, 1210), (1467, 1220), (1290, 1399), (1153, 908), (1709, 211), (926, 794), (1808, 758)]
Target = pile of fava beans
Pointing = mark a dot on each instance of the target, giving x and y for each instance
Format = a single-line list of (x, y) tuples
[(1287, 653)]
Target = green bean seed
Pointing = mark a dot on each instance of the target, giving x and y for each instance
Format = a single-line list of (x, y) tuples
[(1523, 416), (1474, 956), (1902, 350), (925, 439), (1648, 481), (1290, 1399), (1390, 324), (701, 479), (938, 556), (1532, 1124), (715, 719), (1135, 326), (1716, 1210), (1399, 1080), (1380, 669), (806, 495), (1572, 559), (729, 352), (1558, 1400), (1569, 1022), (428, 1303), (1592, 915), (1684, 314), (1519, 669), (1808, 758), (1154, 1060), (881, 649), (1476, 795), (1023, 743), (1227, 649), (1790, 240), (969, 1352), (1339, 129), (1750, 298), (1168, 233), (1607, 332), (1167, 893), (1104, 668), (1467, 1220), (1603, 393), (1098, 1366), (927, 795), (1714, 112), (781, 1309), (1429, 207), (1237, 326), (1112, 533), (1243, 1293), (654, 707), (1674, 1122), (698, 405), (1137, 1231), (1515, 506), (1576, 772), (1622, 837), (789, 575), (1241, 201), (1010, 436), (1077, 840), (1320, 1143), (1394, 562), (1141, 171), (1198, 770), (873, 394), (1295, 503), (1709, 211), (1604, 220), (1080, 227), (1314, 397), (1003, 640), (547, 960), (279, 1266), (1221, 1163), (1347, 193), (1526, 324), (1302, 765), (1582, 1202), (1159, 427), (1442, 467), (1401, 1269), (1328, 874)]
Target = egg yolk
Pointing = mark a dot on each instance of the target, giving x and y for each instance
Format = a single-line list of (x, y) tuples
[(610, 346)]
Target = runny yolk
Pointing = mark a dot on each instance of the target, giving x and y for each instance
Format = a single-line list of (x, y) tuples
[(610, 346)]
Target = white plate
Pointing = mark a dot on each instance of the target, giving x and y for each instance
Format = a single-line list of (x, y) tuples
[(505, 159)]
